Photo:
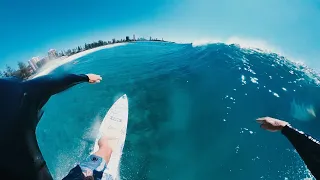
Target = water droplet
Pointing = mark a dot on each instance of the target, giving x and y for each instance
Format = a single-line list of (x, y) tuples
[(276, 95), (254, 80), (284, 89), (237, 149), (243, 80)]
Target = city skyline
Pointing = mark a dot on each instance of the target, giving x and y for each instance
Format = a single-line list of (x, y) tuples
[(290, 28), (36, 63), (53, 54)]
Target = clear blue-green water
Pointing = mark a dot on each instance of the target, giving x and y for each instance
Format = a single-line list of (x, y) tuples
[(192, 112)]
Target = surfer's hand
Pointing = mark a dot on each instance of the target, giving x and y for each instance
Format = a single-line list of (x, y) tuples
[(93, 78), (271, 124)]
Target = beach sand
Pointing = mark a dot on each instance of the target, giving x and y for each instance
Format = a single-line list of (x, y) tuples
[(53, 64)]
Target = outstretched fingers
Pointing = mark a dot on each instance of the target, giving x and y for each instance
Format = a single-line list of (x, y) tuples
[(261, 120)]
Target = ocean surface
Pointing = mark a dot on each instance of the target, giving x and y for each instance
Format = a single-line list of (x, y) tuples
[(192, 112)]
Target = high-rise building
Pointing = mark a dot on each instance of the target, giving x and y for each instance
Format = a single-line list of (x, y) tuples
[(134, 37), (127, 38), (33, 64), (30, 69), (35, 60), (113, 40), (52, 54)]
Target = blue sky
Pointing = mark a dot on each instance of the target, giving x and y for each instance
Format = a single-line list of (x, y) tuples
[(30, 28)]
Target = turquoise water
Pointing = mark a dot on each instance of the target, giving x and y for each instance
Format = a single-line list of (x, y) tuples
[(192, 112)]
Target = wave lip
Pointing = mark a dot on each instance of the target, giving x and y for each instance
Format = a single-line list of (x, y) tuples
[(204, 42), (262, 46), (247, 43), (244, 43)]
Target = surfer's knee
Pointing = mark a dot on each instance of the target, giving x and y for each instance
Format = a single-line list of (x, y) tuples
[(104, 149), (104, 153), (103, 142)]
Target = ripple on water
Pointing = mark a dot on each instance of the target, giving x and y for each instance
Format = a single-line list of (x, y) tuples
[(242, 130)]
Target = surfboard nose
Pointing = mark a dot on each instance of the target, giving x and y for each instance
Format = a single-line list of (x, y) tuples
[(124, 96)]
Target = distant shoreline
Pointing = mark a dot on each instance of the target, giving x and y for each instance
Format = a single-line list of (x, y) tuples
[(53, 64)]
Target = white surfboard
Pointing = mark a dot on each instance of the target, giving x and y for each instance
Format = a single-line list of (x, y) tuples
[(114, 126)]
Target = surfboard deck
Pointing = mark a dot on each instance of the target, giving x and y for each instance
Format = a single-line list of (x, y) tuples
[(114, 127)]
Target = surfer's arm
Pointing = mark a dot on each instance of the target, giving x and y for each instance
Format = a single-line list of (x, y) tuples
[(75, 173), (307, 147), (52, 84)]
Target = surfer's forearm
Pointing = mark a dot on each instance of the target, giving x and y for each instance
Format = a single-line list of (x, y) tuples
[(53, 84), (307, 147), (75, 173)]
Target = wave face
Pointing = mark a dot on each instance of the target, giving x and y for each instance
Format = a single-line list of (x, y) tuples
[(192, 111)]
